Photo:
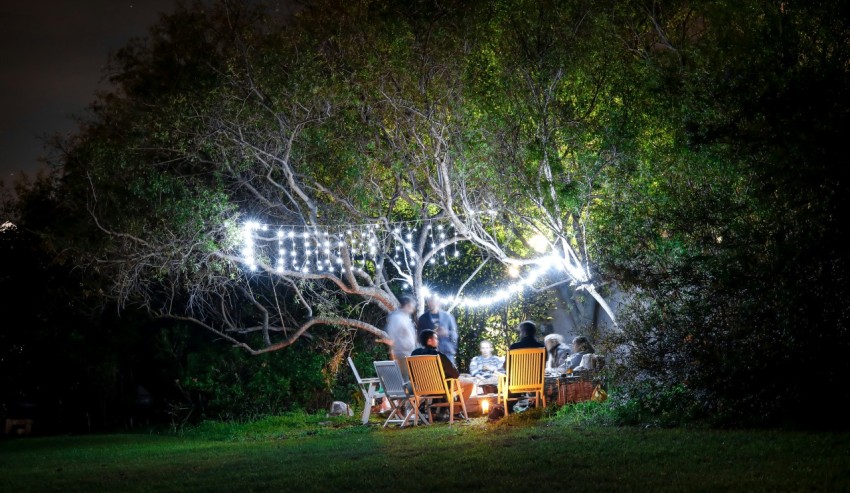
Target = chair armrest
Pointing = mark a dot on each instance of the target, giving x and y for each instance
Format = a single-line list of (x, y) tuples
[(454, 385), (502, 381)]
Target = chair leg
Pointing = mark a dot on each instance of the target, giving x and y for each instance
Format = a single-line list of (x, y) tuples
[(397, 408), (407, 416), (390, 416), (367, 408), (416, 412), (463, 406)]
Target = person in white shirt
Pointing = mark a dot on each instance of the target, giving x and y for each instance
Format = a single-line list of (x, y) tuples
[(401, 332)]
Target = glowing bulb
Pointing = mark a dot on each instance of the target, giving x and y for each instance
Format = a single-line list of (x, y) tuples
[(539, 243)]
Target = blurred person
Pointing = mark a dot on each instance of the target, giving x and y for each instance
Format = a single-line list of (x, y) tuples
[(557, 351), (485, 367), (441, 322), (401, 333)]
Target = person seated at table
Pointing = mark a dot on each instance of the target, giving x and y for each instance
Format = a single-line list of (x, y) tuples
[(581, 346), (430, 341), (527, 340), (557, 351), (527, 336), (485, 366)]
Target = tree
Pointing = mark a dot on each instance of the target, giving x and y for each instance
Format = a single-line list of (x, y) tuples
[(233, 136), (724, 222)]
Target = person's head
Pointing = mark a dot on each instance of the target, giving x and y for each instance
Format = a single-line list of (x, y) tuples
[(433, 303), (486, 348), (527, 329), (407, 304), (428, 338), (581, 344), (552, 341)]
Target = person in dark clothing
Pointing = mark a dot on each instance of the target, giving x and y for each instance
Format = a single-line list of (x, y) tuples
[(527, 332), (430, 341), (527, 340)]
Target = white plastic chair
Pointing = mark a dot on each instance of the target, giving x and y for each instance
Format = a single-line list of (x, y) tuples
[(369, 388)]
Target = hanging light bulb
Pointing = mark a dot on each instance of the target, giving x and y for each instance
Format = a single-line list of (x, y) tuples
[(539, 243)]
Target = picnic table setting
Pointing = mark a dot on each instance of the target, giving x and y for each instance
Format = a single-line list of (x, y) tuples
[(525, 383)]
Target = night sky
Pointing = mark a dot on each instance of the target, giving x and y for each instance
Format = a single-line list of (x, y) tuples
[(52, 53)]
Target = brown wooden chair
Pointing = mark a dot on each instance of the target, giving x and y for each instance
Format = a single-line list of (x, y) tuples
[(525, 371), (429, 382)]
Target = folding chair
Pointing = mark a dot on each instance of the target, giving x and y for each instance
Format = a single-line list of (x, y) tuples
[(400, 398), (369, 388), (525, 373), (429, 382)]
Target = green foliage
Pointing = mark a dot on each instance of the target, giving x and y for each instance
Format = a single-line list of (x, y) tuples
[(590, 413), (228, 384), (723, 220), (233, 385), (650, 403), (690, 153)]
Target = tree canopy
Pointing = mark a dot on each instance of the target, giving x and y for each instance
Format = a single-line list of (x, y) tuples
[(687, 154)]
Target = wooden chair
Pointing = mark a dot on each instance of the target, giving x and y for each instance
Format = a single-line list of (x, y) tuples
[(525, 370), (429, 382), (369, 388), (399, 396)]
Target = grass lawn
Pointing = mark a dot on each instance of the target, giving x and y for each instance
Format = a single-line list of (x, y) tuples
[(520, 454)]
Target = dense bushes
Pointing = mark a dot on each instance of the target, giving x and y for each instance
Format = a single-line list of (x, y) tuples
[(727, 228)]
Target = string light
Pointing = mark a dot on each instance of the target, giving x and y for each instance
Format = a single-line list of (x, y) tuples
[(323, 251), (544, 265)]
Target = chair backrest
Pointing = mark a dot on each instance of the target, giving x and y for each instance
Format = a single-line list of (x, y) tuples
[(391, 379), (354, 369), (525, 368), (598, 362), (426, 375)]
